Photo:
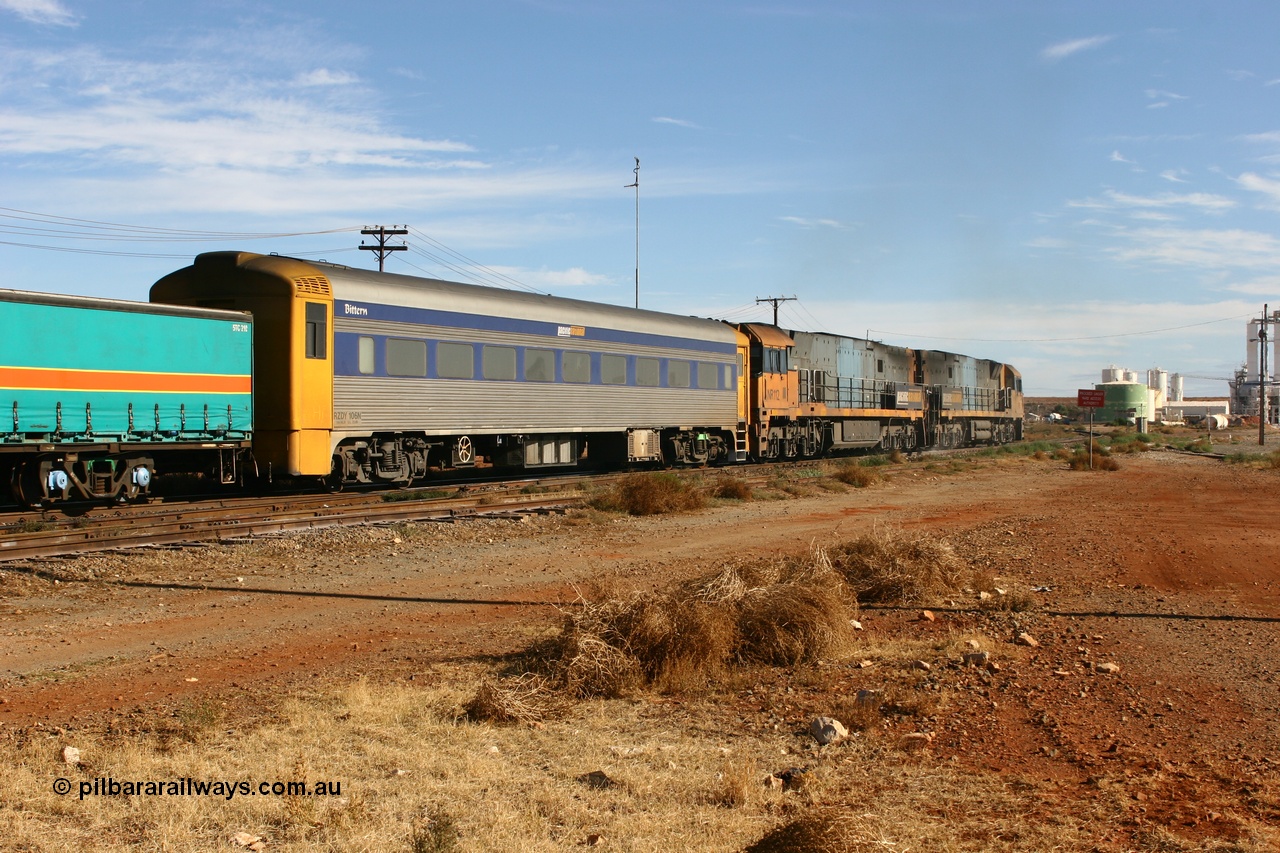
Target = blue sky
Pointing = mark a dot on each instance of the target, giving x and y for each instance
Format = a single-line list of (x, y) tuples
[(1063, 186)]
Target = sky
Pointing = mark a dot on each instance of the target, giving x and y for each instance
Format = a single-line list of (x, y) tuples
[(1063, 186)]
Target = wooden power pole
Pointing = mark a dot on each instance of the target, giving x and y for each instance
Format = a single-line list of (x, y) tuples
[(382, 248)]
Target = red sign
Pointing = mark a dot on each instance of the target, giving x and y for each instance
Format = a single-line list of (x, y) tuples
[(1087, 399)]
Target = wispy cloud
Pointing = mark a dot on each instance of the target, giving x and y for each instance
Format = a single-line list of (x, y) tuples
[(325, 77), (1116, 200), (1264, 286), (679, 122), (41, 12), (1175, 175), (1117, 157), (1269, 187), (808, 222), (1203, 248), (1062, 50)]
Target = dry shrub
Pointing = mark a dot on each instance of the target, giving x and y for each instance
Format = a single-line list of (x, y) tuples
[(856, 475), (795, 622), (528, 699), (1080, 462), (733, 489), (591, 668), (1040, 456), (651, 494), (889, 567), (784, 612), (821, 831)]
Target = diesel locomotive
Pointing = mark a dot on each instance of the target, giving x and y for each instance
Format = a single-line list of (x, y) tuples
[(246, 366)]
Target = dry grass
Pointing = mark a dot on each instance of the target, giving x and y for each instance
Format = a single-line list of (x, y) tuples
[(650, 494), (784, 612), (856, 475), (893, 567), (415, 777), (1080, 461), (733, 489), (527, 699)]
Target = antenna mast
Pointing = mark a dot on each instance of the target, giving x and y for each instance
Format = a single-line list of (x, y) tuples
[(637, 186)]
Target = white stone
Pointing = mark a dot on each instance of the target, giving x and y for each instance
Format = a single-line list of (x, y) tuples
[(827, 730)]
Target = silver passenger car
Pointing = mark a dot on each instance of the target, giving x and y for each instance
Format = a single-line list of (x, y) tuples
[(522, 378)]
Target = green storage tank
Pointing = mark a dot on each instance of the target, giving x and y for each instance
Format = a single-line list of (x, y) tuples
[(1125, 401)]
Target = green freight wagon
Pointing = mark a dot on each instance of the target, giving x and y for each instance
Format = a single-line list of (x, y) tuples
[(103, 394)]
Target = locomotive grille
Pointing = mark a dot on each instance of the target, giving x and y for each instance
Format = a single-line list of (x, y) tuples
[(314, 284)]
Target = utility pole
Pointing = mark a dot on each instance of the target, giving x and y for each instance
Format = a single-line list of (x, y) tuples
[(382, 248), (775, 300), (1262, 378), (637, 186)]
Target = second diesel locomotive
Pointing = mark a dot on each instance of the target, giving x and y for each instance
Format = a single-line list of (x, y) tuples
[(365, 377)]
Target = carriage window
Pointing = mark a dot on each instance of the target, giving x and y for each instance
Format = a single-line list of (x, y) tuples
[(879, 365), (647, 372), (539, 365), (366, 360), (498, 362), (317, 330), (613, 369), (455, 361), (677, 374), (404, 357), (708, 376), (577, 367)]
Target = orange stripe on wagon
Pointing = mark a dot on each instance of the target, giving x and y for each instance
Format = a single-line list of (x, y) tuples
[(65, 379)]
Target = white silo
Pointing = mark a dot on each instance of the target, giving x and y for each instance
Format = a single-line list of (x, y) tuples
[(1131, 376), (1112, 374), (1158, 380), (1175, 388)]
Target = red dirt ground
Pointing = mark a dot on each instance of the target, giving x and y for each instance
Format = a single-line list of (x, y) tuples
[(1166, 568)]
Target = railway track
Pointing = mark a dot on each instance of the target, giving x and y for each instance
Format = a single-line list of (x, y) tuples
[(232, 520), (50, 533)]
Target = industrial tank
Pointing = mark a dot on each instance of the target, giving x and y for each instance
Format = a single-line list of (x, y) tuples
[(1112, 374), (1124, 401)]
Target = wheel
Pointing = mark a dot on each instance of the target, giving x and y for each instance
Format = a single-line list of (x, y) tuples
[(463, 451)]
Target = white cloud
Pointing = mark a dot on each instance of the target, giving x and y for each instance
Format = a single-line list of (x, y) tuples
[(193, 113), (1115, 200), (679, 122), (808, 222), (1175, 175), (1117, 157), (40, 11), (551, 280), (1161, 95), (1049, 243), (1269, 187), (1062, 50), (325, 77), (1267, 286), (1201, 248)]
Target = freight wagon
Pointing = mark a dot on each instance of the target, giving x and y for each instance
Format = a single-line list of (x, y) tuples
[(103, 394)]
